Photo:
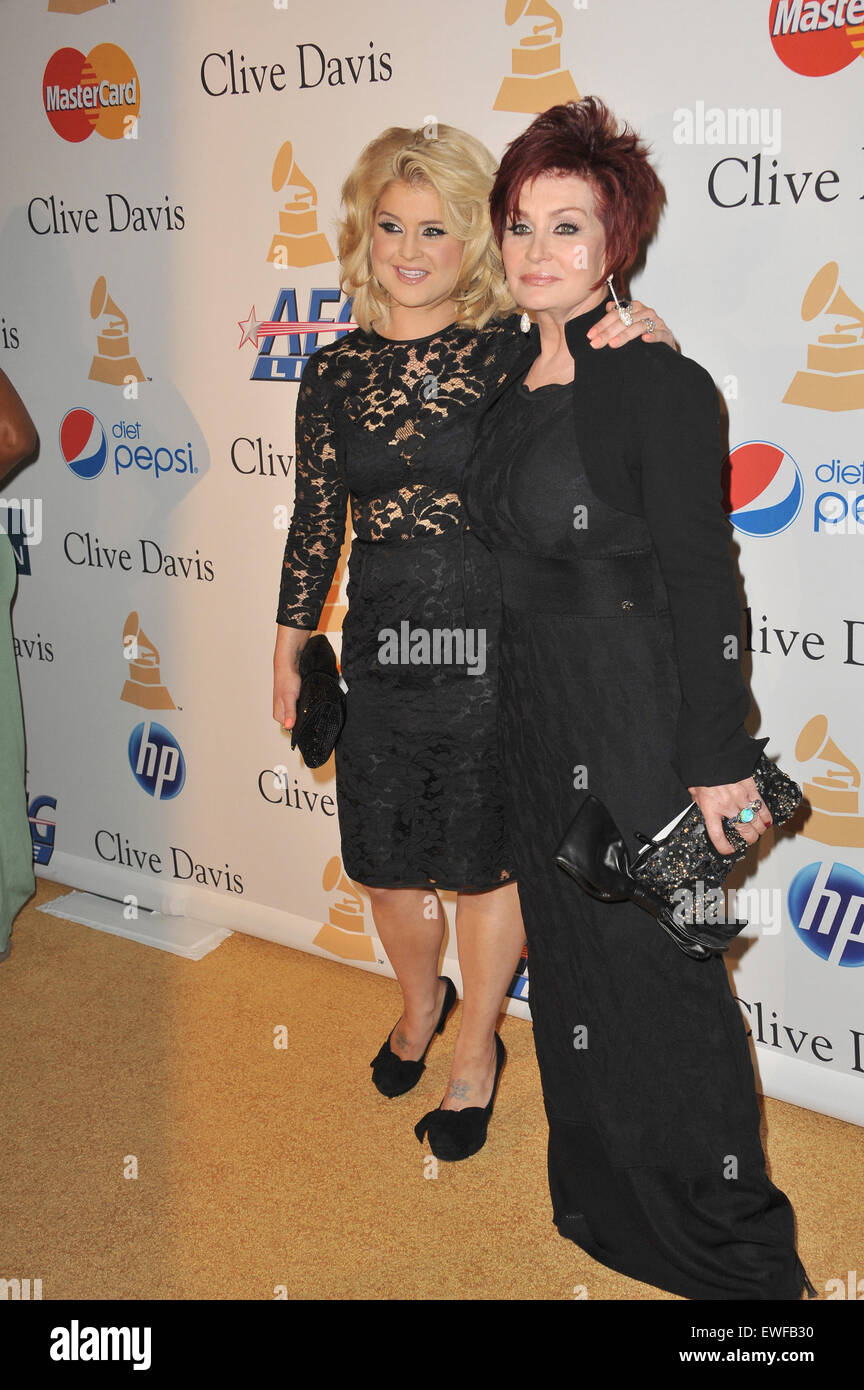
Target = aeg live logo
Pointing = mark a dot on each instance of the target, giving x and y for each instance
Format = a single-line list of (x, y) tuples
[(815, 38)]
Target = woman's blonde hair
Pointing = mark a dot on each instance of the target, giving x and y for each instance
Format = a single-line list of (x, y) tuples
[(461, 171)]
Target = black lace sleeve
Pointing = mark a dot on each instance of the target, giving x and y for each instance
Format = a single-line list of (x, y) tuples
[(320, 503)]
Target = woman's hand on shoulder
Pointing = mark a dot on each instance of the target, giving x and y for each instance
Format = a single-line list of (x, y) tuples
[(611, 332), (728, 800)]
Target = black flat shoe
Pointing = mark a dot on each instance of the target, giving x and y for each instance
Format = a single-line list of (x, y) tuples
[(391, 1075), (457, 1134)]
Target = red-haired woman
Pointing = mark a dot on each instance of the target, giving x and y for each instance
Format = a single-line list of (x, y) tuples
[(597, 485)]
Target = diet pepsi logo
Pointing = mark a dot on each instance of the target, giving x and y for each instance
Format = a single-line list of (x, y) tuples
[(156, 760), (84, 447), (764, 488), (83, 444), (826, 904)]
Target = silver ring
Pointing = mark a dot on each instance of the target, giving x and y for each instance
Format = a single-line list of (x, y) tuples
[(650, 325), (748, 813), (625, 312)]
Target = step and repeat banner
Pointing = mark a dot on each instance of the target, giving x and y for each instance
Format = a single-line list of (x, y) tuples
[(169, 204)]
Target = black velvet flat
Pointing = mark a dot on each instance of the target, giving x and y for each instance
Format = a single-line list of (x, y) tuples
[(390, 1073), (457, 1134)]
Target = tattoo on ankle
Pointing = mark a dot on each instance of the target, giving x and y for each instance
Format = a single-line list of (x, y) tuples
[(457, 1090), (400, 1040)]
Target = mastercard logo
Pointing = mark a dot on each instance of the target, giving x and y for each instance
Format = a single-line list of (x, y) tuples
[(98, 92), (817, 37)]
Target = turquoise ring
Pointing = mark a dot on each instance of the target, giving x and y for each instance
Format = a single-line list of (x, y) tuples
[(749, 812)]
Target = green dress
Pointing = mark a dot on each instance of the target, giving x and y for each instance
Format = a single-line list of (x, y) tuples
[(17, 882)]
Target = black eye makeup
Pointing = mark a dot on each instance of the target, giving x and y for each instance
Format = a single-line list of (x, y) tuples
[(561, 228), (387, 224)]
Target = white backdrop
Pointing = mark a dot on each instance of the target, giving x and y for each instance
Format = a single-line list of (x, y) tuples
[(143, 244)]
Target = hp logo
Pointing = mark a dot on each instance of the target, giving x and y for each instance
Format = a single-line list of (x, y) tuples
[(156, 761), (826, 904)]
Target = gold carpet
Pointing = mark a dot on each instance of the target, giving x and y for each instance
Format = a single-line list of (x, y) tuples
[(262, 1169)]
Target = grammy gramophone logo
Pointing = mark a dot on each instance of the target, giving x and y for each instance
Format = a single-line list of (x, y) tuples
[(113, 362), (834, 377), (834, 788), (144, 682), (298, 242), (538, 80), (343, 934), (74, 6)]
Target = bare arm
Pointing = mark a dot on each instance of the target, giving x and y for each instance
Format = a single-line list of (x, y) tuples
[(18, 436), (290, 642)]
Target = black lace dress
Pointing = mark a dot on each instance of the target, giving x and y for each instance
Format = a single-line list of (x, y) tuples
[(392, 424)]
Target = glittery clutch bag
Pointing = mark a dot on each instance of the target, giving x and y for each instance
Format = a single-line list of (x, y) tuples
[(678, 875), (320, 703)]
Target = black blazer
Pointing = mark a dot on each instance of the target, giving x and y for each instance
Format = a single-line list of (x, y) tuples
[(647, 423)]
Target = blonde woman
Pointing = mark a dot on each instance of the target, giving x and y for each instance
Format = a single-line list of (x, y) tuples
[(386, 416)]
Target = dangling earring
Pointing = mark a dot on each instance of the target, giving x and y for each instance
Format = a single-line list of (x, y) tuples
[(525, 322)]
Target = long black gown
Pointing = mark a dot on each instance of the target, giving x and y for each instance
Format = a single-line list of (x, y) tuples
[(391, 424), (655, 1163)]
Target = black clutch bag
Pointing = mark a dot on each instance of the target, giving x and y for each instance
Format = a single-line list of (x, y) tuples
[(320, 704), (678, 876)]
